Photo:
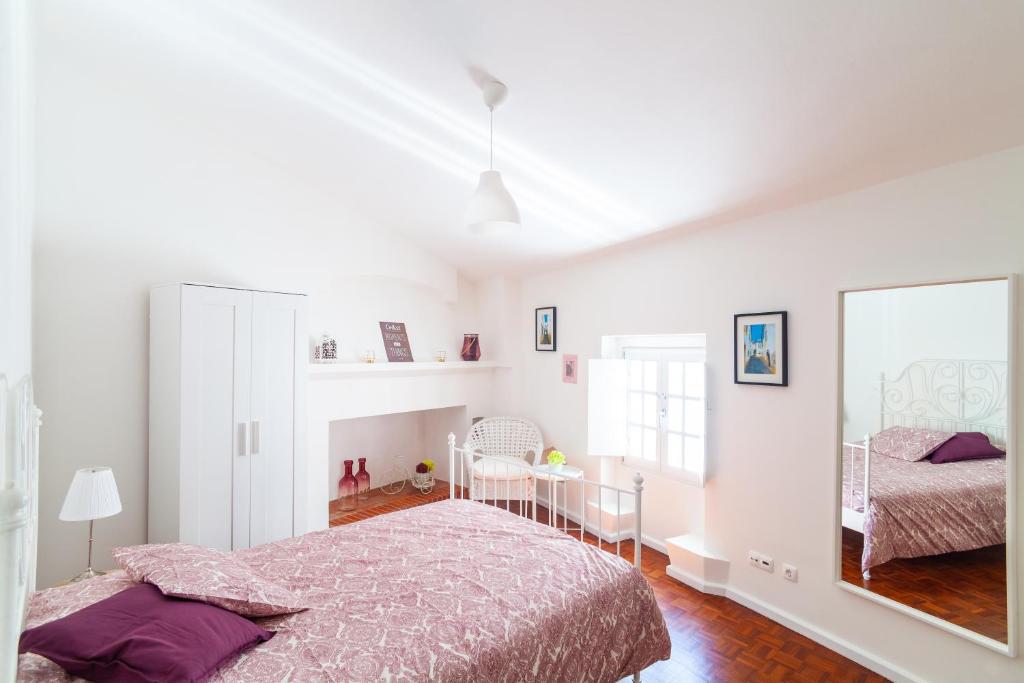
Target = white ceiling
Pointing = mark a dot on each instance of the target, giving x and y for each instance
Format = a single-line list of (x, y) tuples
[(623, 118)]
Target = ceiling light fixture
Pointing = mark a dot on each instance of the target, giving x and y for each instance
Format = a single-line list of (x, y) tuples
[(491, 208)]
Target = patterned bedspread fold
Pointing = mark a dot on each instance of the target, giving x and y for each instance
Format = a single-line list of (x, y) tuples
[(451, 591), (918, 509)]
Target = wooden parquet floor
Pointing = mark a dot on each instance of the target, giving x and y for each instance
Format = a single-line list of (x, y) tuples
[(713, 638), (380, 503), (967, 589)]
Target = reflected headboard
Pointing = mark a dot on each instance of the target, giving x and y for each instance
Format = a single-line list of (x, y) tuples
[(19, 485), (950, 395)]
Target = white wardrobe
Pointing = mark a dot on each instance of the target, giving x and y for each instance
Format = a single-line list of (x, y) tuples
[(227, 394)]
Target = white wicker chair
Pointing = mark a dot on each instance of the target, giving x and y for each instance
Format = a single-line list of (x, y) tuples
[(511, 438)]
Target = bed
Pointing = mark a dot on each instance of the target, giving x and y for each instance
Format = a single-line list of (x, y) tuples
[(913, 509), (452, 591)]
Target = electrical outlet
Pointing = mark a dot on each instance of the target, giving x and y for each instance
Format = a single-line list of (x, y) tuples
[(789, 572), (762, 562)]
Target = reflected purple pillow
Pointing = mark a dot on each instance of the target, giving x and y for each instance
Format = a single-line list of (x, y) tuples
[(966, 446), (142, 635)]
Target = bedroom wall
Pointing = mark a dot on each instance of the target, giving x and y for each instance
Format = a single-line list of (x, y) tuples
[(887, 330), (15, 193), (771, 450), (132, 193)]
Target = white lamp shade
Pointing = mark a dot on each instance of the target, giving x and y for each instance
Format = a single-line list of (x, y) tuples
[(491, 207), (92, 495)]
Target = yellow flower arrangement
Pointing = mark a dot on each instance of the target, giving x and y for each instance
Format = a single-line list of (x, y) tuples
[(556, 458)]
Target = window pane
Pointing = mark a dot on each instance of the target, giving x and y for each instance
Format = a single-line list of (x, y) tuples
[(675, 378), (695, 379), (694, 417), (651, 410), (636, 375), (651, 445), (675, 414), (675, 450), (636, 407), (650, 375), (694, 458), (636, 441)]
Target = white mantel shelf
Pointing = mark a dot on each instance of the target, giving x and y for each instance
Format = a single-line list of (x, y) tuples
[(345, 391), (331, 370)]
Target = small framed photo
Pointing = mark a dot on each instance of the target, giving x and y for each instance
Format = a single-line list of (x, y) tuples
[(544, 329), (569, 368), (759, 349)]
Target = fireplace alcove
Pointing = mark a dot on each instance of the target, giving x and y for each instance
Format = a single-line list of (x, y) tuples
[(406, 408)]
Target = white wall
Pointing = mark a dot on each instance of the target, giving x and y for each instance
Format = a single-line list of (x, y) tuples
[(415, 436), (131, 195), (771, 450), (15, 193), (885, 330)]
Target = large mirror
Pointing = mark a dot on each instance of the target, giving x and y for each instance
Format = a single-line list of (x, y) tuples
[(926, 452)]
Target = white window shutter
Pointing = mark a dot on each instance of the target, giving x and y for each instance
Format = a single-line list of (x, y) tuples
[(702, 472), (607, 384)]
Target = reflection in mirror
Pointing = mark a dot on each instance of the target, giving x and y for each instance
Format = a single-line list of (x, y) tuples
[(925, 426)]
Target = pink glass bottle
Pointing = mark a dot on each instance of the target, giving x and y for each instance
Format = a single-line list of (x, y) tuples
[(363, 480), (347, 489)]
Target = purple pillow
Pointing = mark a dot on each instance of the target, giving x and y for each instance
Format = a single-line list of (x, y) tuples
[(142, 635), (966, 446)]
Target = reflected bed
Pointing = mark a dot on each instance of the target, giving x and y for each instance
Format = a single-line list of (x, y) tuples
[(918, 508)]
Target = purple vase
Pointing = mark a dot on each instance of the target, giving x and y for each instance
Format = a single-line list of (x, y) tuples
[(363, 480), (347, 489)]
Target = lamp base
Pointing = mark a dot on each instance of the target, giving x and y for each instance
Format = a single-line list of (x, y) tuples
[(89, 573)]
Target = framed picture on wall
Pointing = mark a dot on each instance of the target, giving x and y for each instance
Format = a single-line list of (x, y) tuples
[(759, 349), (544, 329), (570, 368)]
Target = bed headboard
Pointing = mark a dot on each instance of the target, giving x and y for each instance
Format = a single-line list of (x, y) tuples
[(19, 484), (948, 394)]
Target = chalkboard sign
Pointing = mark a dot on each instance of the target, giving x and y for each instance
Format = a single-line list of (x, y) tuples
[(396, 342)]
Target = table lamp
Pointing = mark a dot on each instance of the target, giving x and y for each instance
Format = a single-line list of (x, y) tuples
[(92, 496)]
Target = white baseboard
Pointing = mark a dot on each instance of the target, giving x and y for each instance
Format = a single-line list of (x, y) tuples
[(822, 637), (656, 543), (683, 576), (790, 621), (795, 623)]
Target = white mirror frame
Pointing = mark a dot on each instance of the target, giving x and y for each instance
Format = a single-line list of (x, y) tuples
[(1008, 648)]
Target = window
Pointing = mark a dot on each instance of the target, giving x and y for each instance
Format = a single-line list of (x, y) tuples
[(648, 405)]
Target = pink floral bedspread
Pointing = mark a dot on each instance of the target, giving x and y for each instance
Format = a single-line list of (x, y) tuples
[(918, 509), (451, 591)]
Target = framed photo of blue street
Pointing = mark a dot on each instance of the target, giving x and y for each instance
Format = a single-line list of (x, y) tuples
[(759, 349), (544, 329)]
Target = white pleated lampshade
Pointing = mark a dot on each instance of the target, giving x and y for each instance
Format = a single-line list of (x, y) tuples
[(491, 207), (92, 495)]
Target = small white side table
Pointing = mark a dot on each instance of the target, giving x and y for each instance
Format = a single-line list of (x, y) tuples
[(554, 478)]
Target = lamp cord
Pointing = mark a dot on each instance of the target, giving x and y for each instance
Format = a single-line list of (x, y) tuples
[(492, 138)]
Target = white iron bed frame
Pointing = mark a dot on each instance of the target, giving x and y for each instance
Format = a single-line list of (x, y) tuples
[(471, 456), (19, 511), (949, 395), (462, 460)]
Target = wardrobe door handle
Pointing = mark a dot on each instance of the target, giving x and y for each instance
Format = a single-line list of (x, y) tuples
[(243, 433), (254, 428)]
